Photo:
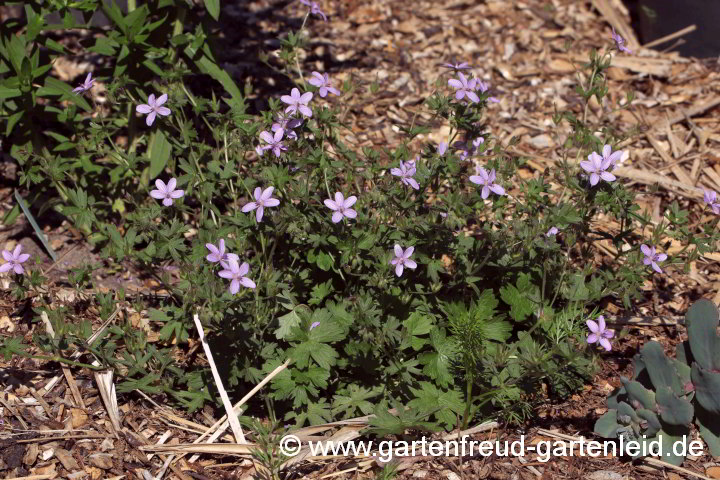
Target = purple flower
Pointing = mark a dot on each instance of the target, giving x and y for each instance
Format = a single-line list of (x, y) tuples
[(552, 231), (599, 333), (484, 87), (14, 260), (153, 108), (217, 254), (611, 157), (619, 42), (457, 66), (710, 197), (341, 207), (442, 148), (464, 88), (166, 193), (323, 83), (314, 324), (236, 274), (274, 142), (402, 259), (86, 85), (286, 123), (597, 167), (297, 102), (314, 9), (263, 198), (406, 172), (651, 258), (487, 180), (469, 148)]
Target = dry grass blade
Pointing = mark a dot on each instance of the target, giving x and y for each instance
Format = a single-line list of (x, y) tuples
[(222, 424), (216, 448), (232, 417), (672, 36), (106, 386)]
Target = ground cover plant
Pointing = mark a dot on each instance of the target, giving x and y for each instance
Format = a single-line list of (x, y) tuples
[(666, 396), (435, 280)]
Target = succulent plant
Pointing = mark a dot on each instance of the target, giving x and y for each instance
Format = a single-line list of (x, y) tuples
[(665, 395)]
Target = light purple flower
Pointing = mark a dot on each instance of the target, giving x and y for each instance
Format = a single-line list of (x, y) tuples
[(597, 167), (552, 231), (322, 81), (297, 102), (314, 8), (274, 142), (263, 198), (218, 255), (487, 180), (402, 259), (442, 148), (710, 197), (612, 158), (599, 333), (314, 324), (14, 260), (286, 123), (457, 66), (166, 193), (464, 88), (484, 87), (619, 42), (153, 107), (406, 172), (652, 258), (468, 148), (341, 207), (86, 85), (236, 274)]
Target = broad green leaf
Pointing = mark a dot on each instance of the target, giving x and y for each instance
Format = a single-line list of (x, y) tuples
[(209, 67), (418, 324), (159, 153), (213, 8)]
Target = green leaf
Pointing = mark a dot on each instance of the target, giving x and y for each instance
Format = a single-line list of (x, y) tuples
[(6, 92), (209, 67), (707, 388), (418, 324), (290, 320), (702, 321), (159, 153), (356, 400), (54, 87), (429, 397), (607, 425), (36, 227), (517, 297), (673, 409), (324, 261), (437, 364), (213, 8)]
